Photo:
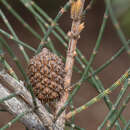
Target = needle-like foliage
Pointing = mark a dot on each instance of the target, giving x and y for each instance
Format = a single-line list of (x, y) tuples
[(23, 92)]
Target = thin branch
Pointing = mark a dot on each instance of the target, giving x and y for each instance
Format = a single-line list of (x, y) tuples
[(16, 107), (45, 117), (53, 24), (127, 126), (100, 96), (97, 45), (20, 19), (5, 63), (113, 111), (20, 67), (18, 41), (76, 13), (9, 96), (117, 27), (14, 34)]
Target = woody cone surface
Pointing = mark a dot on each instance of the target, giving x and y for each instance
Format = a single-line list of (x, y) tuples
[(46, 74)]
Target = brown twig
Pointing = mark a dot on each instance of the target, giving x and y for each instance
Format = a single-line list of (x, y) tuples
[(76, 14), (74, 34)]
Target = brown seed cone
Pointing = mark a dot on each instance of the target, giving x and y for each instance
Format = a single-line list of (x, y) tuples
[(46, 73)]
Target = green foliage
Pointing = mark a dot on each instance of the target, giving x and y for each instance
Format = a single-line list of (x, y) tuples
[(50, 26)]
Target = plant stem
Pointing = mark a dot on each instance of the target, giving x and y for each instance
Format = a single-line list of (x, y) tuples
[(53, 24), (113, 110), (99, 97), (117, 27), (18, 17), (14, 35), (53, 31), (15, 59), (9, 97), (127, 126), (75, 32), (9, 124), (96, 46), (119, 112), (50, 43), (5, 63), (18, 41), (100, 88)]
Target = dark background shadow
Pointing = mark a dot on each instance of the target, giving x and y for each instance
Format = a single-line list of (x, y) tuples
[(91, 118)]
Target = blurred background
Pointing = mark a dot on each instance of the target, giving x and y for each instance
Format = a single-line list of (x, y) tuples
[(91, 118)]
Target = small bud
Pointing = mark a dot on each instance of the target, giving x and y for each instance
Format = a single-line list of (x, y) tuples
[(69, 34), (75, 53), (76, 9), (81, 27)]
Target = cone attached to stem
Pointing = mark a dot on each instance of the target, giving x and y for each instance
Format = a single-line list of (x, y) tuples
[(46, 74)]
